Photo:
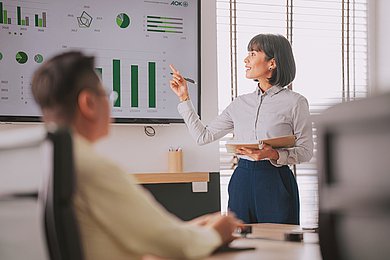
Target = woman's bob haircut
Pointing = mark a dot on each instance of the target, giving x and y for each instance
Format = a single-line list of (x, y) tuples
[(276, 47)]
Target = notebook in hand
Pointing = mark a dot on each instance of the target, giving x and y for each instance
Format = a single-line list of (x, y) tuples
[(286, 141)]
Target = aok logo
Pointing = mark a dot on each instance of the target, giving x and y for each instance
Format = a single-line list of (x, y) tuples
[(179, 3)]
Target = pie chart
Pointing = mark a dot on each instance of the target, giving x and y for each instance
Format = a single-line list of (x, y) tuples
[(38, 58), (21, 57), (1, 56), (123, 20)]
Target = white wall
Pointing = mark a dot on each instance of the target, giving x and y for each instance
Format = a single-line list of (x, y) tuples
[(379, 53), (137, 152)]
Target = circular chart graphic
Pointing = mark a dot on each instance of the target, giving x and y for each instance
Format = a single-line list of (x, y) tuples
[(21, 57), (1, 56), (38, 58), (123, 20)]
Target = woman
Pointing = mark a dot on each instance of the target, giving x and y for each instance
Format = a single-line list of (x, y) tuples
[(262, 187)]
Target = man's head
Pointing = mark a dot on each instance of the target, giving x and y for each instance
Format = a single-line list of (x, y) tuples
[(70, 94)]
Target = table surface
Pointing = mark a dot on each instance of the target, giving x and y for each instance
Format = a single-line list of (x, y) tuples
[(187, 177), (268, 241)]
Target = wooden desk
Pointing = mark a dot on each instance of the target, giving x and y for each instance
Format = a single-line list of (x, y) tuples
[(186, 177), (271, 246)]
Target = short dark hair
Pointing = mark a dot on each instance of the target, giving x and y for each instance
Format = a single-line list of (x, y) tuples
[(279, 48), (58, 82)]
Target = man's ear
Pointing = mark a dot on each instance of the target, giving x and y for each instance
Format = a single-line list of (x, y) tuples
[(87, 102)]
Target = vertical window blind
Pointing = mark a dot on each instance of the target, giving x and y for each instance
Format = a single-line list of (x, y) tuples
[(329, 41)]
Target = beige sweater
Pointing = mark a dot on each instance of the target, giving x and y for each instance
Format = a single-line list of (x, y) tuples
[(120, 220)]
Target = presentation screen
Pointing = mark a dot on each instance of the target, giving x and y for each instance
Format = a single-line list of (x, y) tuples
[(133, 43)]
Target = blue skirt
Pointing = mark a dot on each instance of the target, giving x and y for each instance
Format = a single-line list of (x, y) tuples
[(262, 193)]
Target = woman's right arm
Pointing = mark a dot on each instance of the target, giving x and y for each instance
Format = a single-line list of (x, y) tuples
[(202, 133)]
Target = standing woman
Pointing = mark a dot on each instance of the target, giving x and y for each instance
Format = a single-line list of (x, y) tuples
[(262, 187)]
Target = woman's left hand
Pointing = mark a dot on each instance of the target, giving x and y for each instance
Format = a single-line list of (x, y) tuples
[(258, 154)]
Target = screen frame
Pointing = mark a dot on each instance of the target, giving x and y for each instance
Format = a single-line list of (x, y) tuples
[(124, 120)]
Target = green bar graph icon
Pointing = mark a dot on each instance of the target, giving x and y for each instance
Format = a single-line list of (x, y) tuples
[(20, 19), (152, 84), (19, 15), (116, 82), (40, 22), (1, 13), (134, 83), (163, 24), (134, 86), (5, 17)]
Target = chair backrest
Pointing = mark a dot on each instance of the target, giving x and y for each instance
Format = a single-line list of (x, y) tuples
[(24, 159), (354, 180), (62, 229), (34, 162)]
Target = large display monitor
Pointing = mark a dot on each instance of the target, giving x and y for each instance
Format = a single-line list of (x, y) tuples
[(133, 42)]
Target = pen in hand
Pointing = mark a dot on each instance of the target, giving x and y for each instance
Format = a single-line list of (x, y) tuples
[(188, 80)]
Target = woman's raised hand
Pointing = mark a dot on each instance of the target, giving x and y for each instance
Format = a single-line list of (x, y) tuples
[(178, 84)]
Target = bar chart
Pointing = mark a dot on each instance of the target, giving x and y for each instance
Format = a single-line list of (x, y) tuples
[(134, 80), (161, 24), (40, 19)]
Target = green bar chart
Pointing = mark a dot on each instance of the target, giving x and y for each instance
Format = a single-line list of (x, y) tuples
[(160, 24), (120, 85), (19, 14), (152, 84), (116, 80), (134, 86), (1, 13), (20, 19)]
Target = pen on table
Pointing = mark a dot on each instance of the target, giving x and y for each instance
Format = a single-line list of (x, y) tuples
[(188, 79)]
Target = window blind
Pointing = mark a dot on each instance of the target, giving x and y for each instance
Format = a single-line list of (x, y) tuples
[(329, 41)]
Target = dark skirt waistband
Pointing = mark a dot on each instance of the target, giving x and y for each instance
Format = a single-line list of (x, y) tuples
[(263, 164)]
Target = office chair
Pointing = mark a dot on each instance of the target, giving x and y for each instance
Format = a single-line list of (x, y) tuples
[(354, 195), (62, 230), (37, 180)]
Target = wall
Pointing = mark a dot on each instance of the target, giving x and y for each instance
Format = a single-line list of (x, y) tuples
[(379, 53), (136, 152)]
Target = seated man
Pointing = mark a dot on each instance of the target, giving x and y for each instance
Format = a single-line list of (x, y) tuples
[(117, 218)]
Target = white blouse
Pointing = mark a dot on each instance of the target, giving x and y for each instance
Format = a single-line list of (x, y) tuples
[(255, 116)]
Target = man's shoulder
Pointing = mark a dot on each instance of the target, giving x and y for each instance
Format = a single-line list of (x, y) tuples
[(90, 162)]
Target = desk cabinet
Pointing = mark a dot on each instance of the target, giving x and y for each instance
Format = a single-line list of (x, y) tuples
[(175, 192)]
